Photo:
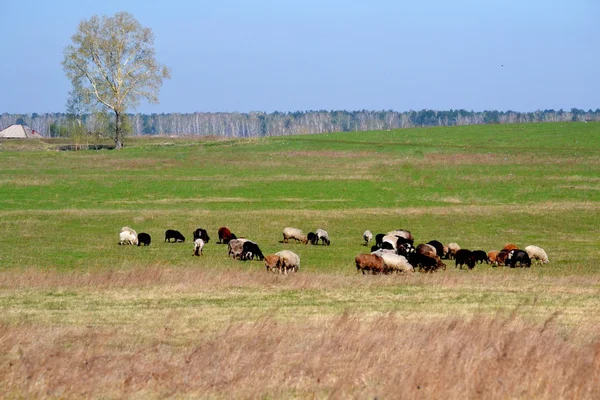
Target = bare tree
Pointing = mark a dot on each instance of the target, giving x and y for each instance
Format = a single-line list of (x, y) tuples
[(111, 63)]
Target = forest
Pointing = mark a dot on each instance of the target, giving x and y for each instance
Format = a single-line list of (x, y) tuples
[(252, 124)]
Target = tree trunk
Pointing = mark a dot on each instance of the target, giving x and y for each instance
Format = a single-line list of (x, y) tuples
[(118, 135)]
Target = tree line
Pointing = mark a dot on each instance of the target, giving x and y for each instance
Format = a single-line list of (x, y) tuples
[(255, 124)]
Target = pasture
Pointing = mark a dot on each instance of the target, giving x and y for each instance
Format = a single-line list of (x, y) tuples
[(82, 316)]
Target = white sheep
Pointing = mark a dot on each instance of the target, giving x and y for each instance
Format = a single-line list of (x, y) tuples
[(127, 237), (537, 253), (391, 239), (403, 233), (198, 246), (452, 249), (367, 237), (128, 229), (294, 233), (323, 236), (288, 260), (235, 248), (394, 262)]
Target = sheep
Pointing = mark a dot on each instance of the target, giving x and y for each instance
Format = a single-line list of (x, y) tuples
[(235, 247), (369, 262), (198, 246), (225, 235), (294, 233), (402, 233), (537, 253), (439, 247), (510, 247), (464, 256), (175, 235), (518, 256), (201, 234), (492, 256), (128, 229), (367, 237), (426, 258), (391, 239), (445, 252), (379, 239), (427, 250), (251, 250), (127, 237), (394, 262), (323, 236), (502, 257), (481, 256), (144, 238), (283, 261), (452, 249), (312, 238)]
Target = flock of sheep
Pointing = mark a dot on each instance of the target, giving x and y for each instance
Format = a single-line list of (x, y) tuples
[(392, 252), (395, 252)]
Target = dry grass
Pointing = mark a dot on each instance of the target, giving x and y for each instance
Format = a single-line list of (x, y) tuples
[(344, 356)]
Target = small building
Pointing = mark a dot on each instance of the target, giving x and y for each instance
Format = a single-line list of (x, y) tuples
[(19, 132)]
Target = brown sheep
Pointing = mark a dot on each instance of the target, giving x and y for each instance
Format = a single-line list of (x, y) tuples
[(369, 262), (225, 235), (510, 246), (493, 256)]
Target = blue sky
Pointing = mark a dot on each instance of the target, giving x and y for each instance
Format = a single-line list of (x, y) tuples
[(241, 56)]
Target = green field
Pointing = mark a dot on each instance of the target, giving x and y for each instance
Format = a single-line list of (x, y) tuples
[(69, 292)]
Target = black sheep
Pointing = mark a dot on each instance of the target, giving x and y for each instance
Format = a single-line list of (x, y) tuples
[(464, 256), (251, 250), (144, 238), (175, 235), (379, 239), (312, 238), (481, 256), (438, 246), (519, 256), (201, 234)]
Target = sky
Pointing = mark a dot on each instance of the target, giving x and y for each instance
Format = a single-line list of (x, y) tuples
[(299, 55)]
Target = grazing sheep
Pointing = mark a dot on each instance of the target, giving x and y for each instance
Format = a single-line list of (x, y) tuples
[(235, 248), (492, 256), (201, 234), (481, 256), (294, 233), (379, 239), (391, 239), (452, 249), (367, 237), (439, 247), (403, 233), (323, 236), (464, 256), (283, 261), (502, 257), (510, 246), (271, 262), (251, 250), (198, 246), (520, 257), (144, 238), (128, 229), (395, 263), (445, 252), (369, 263), (128, 238), (537, 253), (427, 249), (425, 262), (312, 238), (225, 235), (175, 235)]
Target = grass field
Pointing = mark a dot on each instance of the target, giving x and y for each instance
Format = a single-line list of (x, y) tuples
[(82, 316)]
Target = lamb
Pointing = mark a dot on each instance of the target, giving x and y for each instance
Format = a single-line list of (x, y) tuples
[(312, 238), (235, 248), (128, 229), (128, 238), (367, 237), (175, 235), (201, 234), (198, 246), (369, 262), (251, 250), (294, 233), (271, 262), (452, 249), (537, 253), (225, 235), (323, 236), (144, 238)]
